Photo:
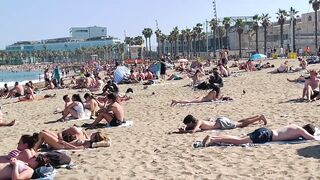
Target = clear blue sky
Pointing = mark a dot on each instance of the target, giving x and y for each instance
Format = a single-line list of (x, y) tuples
[(41, 19)]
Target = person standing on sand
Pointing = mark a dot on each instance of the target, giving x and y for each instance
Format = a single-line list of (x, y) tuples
[(263, 135), (194, 125)]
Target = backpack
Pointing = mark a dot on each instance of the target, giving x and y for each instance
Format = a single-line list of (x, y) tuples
[(58, 158)]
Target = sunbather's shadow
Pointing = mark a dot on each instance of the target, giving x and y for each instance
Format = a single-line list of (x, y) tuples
[(310, 152), (298, 100), (52, 122), (98, 126)]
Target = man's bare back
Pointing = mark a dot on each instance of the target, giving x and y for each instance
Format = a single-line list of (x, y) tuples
[(291, 132), (117, 110)]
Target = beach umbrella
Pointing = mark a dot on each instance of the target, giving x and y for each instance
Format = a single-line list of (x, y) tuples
[(183, 60), (257, 56), (120, 73)]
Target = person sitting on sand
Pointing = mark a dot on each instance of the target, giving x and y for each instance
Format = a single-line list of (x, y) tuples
[(263, 135), (50, 85), (193, 125), (2, 123), (5, 91), (72, 138), (127, 96), (28, 93), (216, 79), (91, 104), (174, 76), (113, 113), (311, 87), (213, 95), (224, 70), (16, 91), (195, 77), (75, 109), (148, 75)]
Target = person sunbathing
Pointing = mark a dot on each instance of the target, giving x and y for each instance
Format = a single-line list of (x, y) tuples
[(75, 108), (72, 138), (194, 125), (311, 87), (113, 113), (91, 104), (282, 68), (28, 93), (263, 135), (213, 95), (16, 91), (24, 151), (16, 169)]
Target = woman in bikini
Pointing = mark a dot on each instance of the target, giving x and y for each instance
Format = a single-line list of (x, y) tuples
[(72, 138), (91, 104), (75, 109), (28, 93)]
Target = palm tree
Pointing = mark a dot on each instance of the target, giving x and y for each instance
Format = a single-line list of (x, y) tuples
[(188, 38), (158, 34), (170, 39), (174, 35), (220, 32), (294, 13), (213, 23), (282, 14), (265, 21), (226, 22), (162, 40), (315, 6), (198, 30), (256, 19), (240, 26), (193, 37), (182, 36), (147, 33)]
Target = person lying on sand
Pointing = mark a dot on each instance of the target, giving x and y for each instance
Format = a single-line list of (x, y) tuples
[(24, 151), (213, 95), (71, 138), (16, 169), (311, 87), (263, 135), (113, 113), (193, 125), (300, 79), (2, 123), (282, 68)]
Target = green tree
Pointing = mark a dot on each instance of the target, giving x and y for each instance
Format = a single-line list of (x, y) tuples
[(265, 21), (240, 27), (158, 34), (256, 19), (281, 16), (315, 6), (213, 23), (226, 22)]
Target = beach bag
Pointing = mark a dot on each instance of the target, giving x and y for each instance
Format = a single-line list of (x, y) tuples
[(58, 158)]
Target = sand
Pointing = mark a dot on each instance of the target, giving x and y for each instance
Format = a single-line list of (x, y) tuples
[(147, 151)]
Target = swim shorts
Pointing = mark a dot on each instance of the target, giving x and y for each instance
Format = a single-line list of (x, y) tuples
[(115, 122), (261, 135), (315, 94), (225, 123)]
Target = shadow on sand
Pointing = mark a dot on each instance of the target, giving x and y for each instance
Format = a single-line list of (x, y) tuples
[(298, 100), (310, 152)]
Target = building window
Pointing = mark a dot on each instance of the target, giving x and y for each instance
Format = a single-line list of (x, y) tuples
[(309, 18)]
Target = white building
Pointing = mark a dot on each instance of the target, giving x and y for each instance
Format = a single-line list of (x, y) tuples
[(88, 32)]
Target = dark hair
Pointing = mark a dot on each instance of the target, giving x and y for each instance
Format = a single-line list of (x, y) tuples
[(43, 160), (30, 140), (87, 95), (189, 119), (64, 97), (112, 96), (77, 97), (129, 90), (309, 128)]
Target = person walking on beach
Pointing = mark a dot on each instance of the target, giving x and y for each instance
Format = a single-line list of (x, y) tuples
[(263, 135), (194, 125)]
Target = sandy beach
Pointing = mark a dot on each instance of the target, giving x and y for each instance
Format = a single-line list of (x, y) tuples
[(147, 151)]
